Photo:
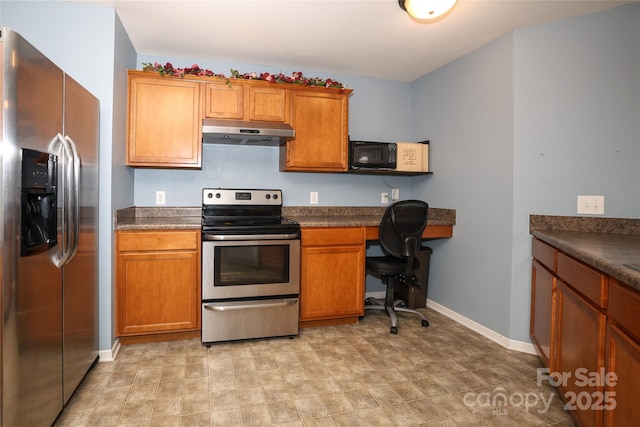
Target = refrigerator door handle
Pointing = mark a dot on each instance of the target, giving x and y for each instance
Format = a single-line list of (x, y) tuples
[(59, 145), (74, 227)]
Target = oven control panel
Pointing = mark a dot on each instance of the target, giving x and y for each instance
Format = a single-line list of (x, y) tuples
[(230, 197)]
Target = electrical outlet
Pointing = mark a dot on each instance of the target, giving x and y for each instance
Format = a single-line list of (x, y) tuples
[(313, 198), (395, 194), (591, 205), (384, 198), (160, 200)]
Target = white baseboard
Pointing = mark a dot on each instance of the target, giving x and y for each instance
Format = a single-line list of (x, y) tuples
[(110, 355), (521, 346)]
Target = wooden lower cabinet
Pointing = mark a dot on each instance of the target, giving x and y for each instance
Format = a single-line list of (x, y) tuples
[(542, 327), (580, 353), (333, 275), (157, 282), (623, 359), (586, 328), (623, 354)]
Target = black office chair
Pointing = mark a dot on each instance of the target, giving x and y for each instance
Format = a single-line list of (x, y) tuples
[(400, 237)]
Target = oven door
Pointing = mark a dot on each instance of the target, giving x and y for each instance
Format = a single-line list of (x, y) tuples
[(250, 268)]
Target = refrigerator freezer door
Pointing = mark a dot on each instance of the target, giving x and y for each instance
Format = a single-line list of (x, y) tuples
[(81, 127), (31, 285)]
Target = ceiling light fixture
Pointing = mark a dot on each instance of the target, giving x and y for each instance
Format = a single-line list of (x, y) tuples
[(426, 9)]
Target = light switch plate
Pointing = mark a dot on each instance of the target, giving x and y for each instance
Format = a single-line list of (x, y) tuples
[(160, 198), (591, 205)]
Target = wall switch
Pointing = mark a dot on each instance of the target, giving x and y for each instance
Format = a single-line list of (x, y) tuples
[(395, 194), (591, 205), (313, 198), (160, 200), (384, 198)]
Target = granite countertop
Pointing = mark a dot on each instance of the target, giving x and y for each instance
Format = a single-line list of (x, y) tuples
[(607, 244), (151, 218), (344, 216), (164, 218)]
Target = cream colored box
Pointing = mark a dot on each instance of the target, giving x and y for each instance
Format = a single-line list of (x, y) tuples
[(412, 156)]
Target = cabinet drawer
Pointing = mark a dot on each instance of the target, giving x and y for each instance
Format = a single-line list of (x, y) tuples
[(157, 240), (545, 254), (589, 282), (624, 307), (332, 236)]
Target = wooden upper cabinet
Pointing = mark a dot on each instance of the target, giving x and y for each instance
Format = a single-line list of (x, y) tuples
[(320, 119), (223, 101), (252, 101), (164, 126)]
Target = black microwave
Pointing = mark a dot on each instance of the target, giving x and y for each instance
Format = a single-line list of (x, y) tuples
[(372, 155)]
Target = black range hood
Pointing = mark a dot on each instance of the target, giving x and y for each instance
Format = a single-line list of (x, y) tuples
[(236, 132)]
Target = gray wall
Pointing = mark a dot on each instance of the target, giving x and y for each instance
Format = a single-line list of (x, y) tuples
[(466, 107), (522, 126)]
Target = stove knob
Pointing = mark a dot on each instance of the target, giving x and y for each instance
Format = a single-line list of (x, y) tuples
[(218, 195), (275, 196), (267, 196), (209, 195)]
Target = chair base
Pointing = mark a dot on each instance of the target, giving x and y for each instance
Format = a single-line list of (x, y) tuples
[(391, 306)]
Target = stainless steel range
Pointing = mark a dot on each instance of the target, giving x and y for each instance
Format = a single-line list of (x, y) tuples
[(250, 266)]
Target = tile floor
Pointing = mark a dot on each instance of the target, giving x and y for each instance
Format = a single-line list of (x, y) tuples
[(351, 375)]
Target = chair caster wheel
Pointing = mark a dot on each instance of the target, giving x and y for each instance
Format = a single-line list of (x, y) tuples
[(425, 323), (394, 330)]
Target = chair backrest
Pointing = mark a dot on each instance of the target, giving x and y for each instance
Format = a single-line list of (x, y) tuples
[(402, 226)]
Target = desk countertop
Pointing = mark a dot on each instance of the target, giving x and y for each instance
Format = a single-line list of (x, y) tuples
[(345, 216)]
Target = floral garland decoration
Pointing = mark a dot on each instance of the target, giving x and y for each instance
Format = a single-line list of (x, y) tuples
[(295, 78)]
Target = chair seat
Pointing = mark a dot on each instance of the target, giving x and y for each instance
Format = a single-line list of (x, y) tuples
[(388, 265)]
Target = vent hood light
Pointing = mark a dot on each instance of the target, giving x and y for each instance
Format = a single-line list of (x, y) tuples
[(237, 132)]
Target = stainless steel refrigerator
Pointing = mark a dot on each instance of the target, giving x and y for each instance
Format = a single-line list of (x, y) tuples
[(49, 200)]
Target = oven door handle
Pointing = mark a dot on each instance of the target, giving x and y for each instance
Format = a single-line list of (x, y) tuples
[(236, 237), (285, 303)]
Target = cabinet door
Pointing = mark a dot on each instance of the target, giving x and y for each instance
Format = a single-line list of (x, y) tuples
[(267, 104), (224, 101), (580, 351), (164, 124), (543, 313), (332, 280), (157, 289), (246, 101), (320, 120), (623, 359)]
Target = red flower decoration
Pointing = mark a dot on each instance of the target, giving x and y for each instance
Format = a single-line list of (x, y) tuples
[(296, 77)]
